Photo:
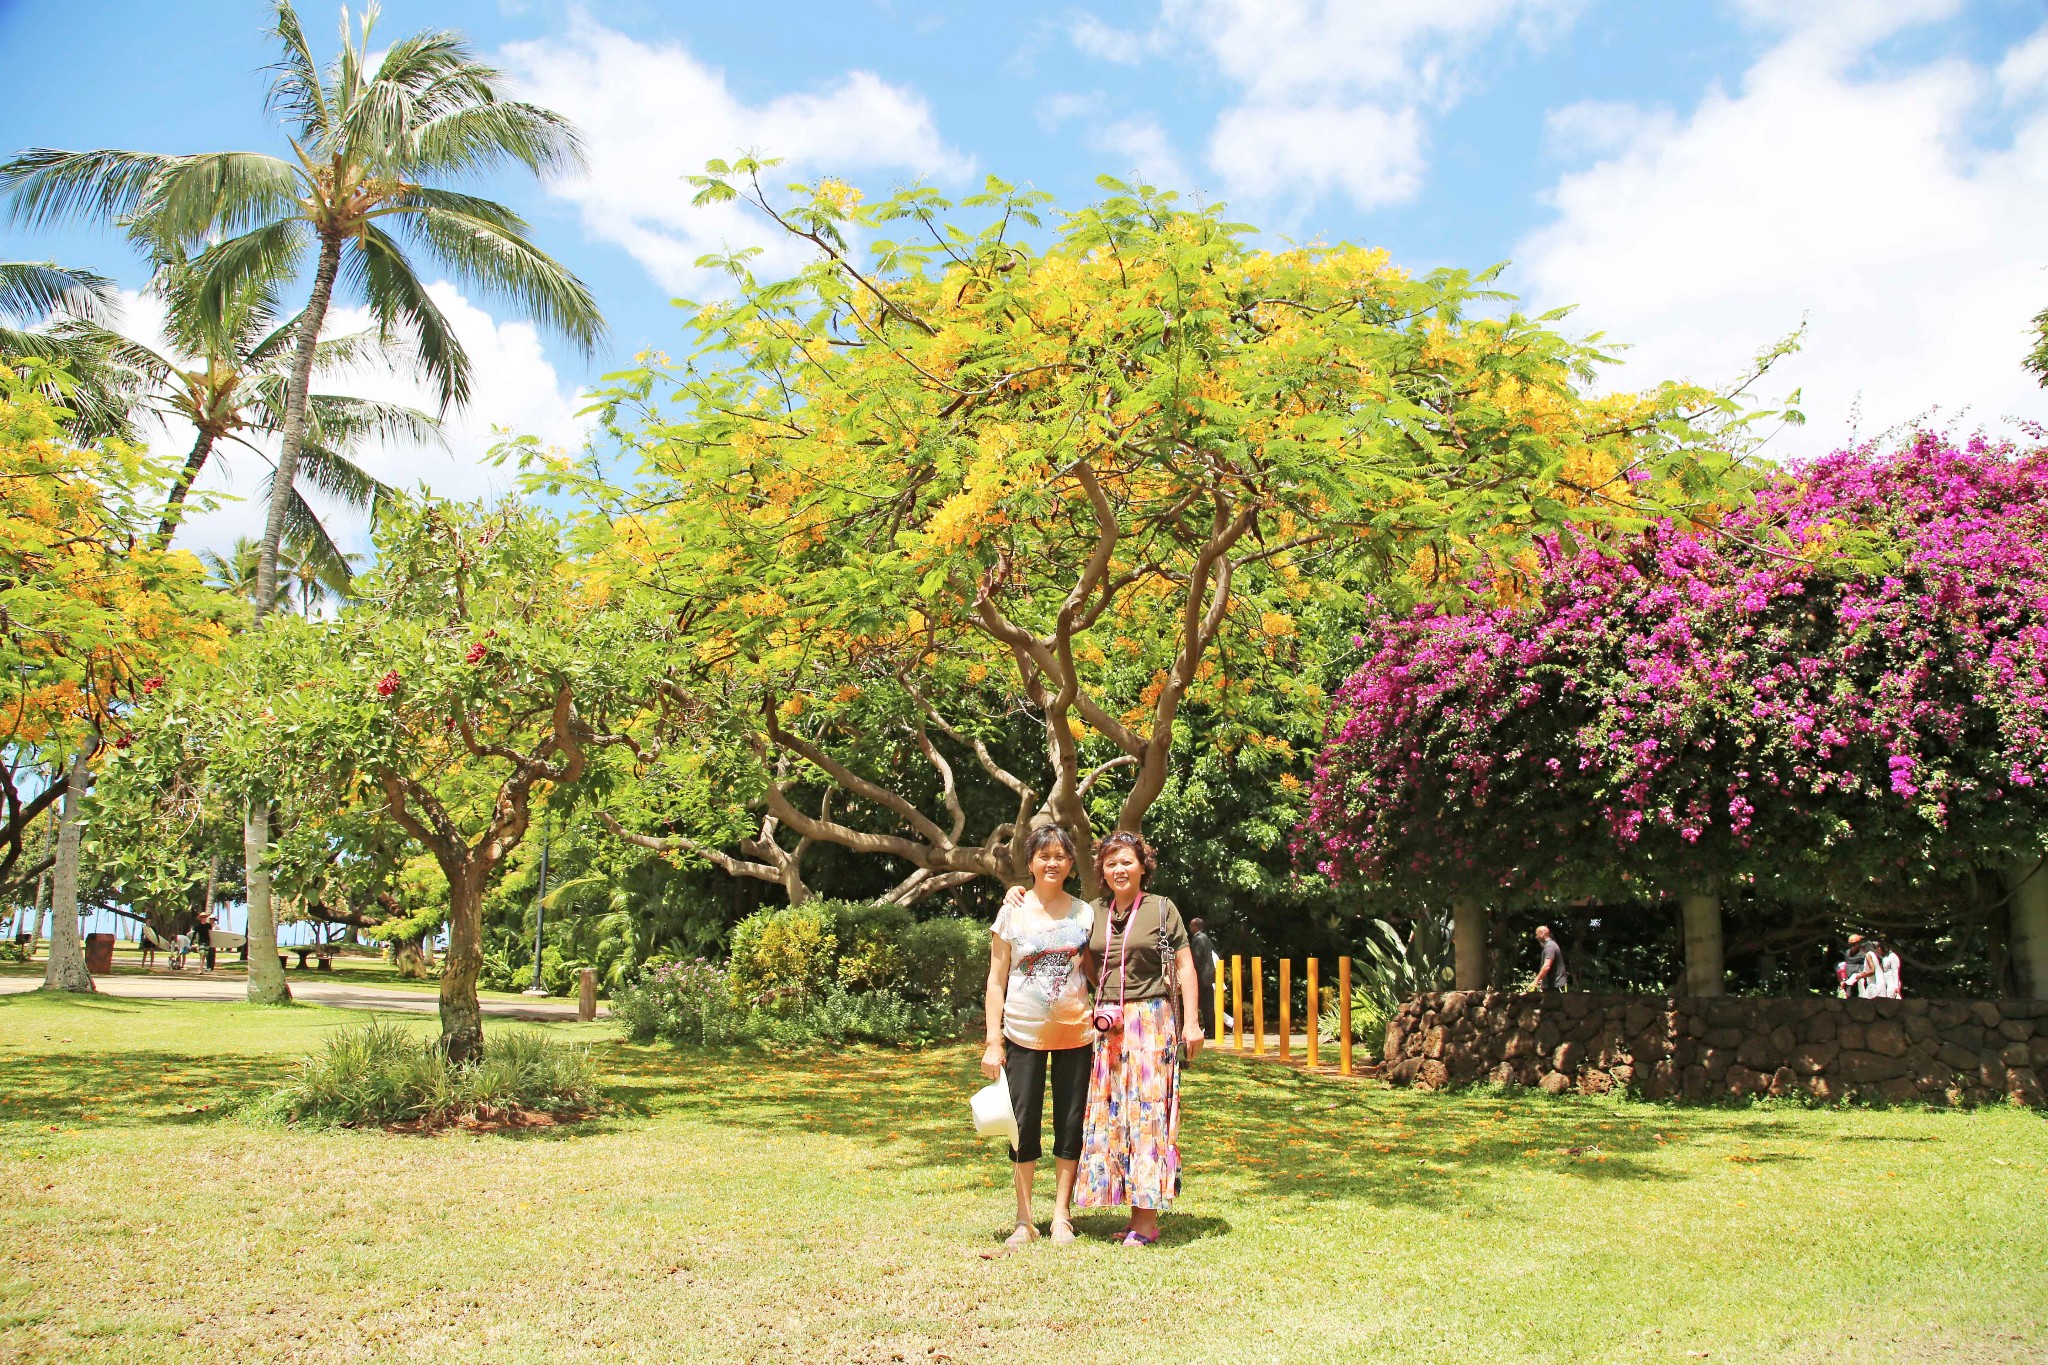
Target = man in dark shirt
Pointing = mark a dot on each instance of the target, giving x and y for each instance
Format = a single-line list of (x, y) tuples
[(1204, 953), (1551, 976)]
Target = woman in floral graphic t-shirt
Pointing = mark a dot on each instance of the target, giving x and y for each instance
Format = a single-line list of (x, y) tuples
[(1038, 1022)]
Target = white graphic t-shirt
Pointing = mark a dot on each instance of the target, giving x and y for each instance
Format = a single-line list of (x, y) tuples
[(1046, 1005)]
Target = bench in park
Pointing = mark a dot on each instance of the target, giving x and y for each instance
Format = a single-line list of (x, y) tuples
[(322, 953)]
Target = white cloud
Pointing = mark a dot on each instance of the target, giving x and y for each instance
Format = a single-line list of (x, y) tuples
[(1332, 96), (1104, 43), (2023, 72), (514, 391), (653, 114), (1143, 149), (1373, 154), (1857, 201)]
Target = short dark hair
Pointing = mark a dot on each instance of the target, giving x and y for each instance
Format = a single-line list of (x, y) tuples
[(1197, 925), (1147, 863), (1048, 834)]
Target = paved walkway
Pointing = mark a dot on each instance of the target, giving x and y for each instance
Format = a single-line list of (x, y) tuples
[(312, 991)]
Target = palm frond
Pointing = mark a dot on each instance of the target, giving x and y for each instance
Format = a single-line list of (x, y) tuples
[(346, 422), (482, 251), (225, 273), (316, 561), (45, 186), (485, 136), (97, 392), (379, 270), (335, 476), (193, 198), (295, 87), (149, 364), (31, 291)]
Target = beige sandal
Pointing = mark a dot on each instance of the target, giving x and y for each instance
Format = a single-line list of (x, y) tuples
[(1062, 1231), (1023, 1235)]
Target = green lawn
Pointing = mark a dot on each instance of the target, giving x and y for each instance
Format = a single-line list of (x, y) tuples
[(832, 1207)]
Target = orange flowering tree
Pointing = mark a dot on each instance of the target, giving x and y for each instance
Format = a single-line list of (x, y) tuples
[(990, 475), (90, 616)]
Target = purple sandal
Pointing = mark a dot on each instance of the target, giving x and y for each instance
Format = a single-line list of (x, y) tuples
[(1134, 1238)]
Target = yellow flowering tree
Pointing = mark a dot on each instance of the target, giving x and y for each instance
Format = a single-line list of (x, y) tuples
[(987, 474), (90, 615)]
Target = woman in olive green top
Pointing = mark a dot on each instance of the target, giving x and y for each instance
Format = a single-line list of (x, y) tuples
[(1130, 1148)]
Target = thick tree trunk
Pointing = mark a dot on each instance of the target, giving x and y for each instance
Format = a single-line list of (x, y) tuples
[(462, 1019), (2027, 880), (267, 984), (65, 970), (174, 505), (1468, 941), (1700, 913)]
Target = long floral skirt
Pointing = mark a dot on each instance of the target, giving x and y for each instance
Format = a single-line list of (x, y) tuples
[(1130, 1149)]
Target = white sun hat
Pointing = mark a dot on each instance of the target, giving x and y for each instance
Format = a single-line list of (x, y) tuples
[(993, 1116)]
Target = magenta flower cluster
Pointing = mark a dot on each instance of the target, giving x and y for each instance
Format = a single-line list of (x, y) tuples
[(1840, 690)]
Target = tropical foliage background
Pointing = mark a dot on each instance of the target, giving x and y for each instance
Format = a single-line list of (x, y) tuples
[(1361, 592)]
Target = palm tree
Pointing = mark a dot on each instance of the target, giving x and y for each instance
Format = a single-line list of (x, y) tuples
[(33, 293), (364, 143), (309, 580), (229, 385)]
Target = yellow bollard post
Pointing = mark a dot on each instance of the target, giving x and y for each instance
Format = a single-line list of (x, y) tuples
[(1237, 998), (1344, 1016), (1218, 1039), (1315, 1015), (1258, 1008), (1286, 1005)]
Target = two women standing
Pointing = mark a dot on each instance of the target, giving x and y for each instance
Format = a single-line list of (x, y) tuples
[(1116, 1077)]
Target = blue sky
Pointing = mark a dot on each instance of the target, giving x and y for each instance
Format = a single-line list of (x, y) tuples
[(1697, 177)]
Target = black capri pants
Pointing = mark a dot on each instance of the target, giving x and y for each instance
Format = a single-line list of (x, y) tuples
[(1026, 1068)]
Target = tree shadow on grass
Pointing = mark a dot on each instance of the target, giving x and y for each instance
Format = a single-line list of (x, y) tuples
[(1290, 1133), (129, 1087)]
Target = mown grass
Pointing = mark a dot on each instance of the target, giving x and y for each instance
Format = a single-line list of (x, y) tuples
[(831, 1206)]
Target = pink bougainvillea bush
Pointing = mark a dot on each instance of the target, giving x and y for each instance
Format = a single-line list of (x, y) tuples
[(1840, 691)]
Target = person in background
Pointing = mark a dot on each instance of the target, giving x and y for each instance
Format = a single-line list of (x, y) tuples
[(1863, 966), (203, 935), (1206, 963), (1889, 985), (1039, 1024), (1552, 974)]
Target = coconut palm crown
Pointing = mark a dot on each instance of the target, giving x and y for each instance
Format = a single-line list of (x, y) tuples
[(223, 371), (353, 197)]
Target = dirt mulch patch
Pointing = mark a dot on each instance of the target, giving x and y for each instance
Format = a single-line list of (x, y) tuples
[(489, 1119)]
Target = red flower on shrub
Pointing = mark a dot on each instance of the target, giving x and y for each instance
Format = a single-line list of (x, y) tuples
[(150, 685), (476, 653), (387, 684)]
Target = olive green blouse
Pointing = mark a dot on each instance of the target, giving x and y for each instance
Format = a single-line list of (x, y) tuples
[(1134, 968)]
